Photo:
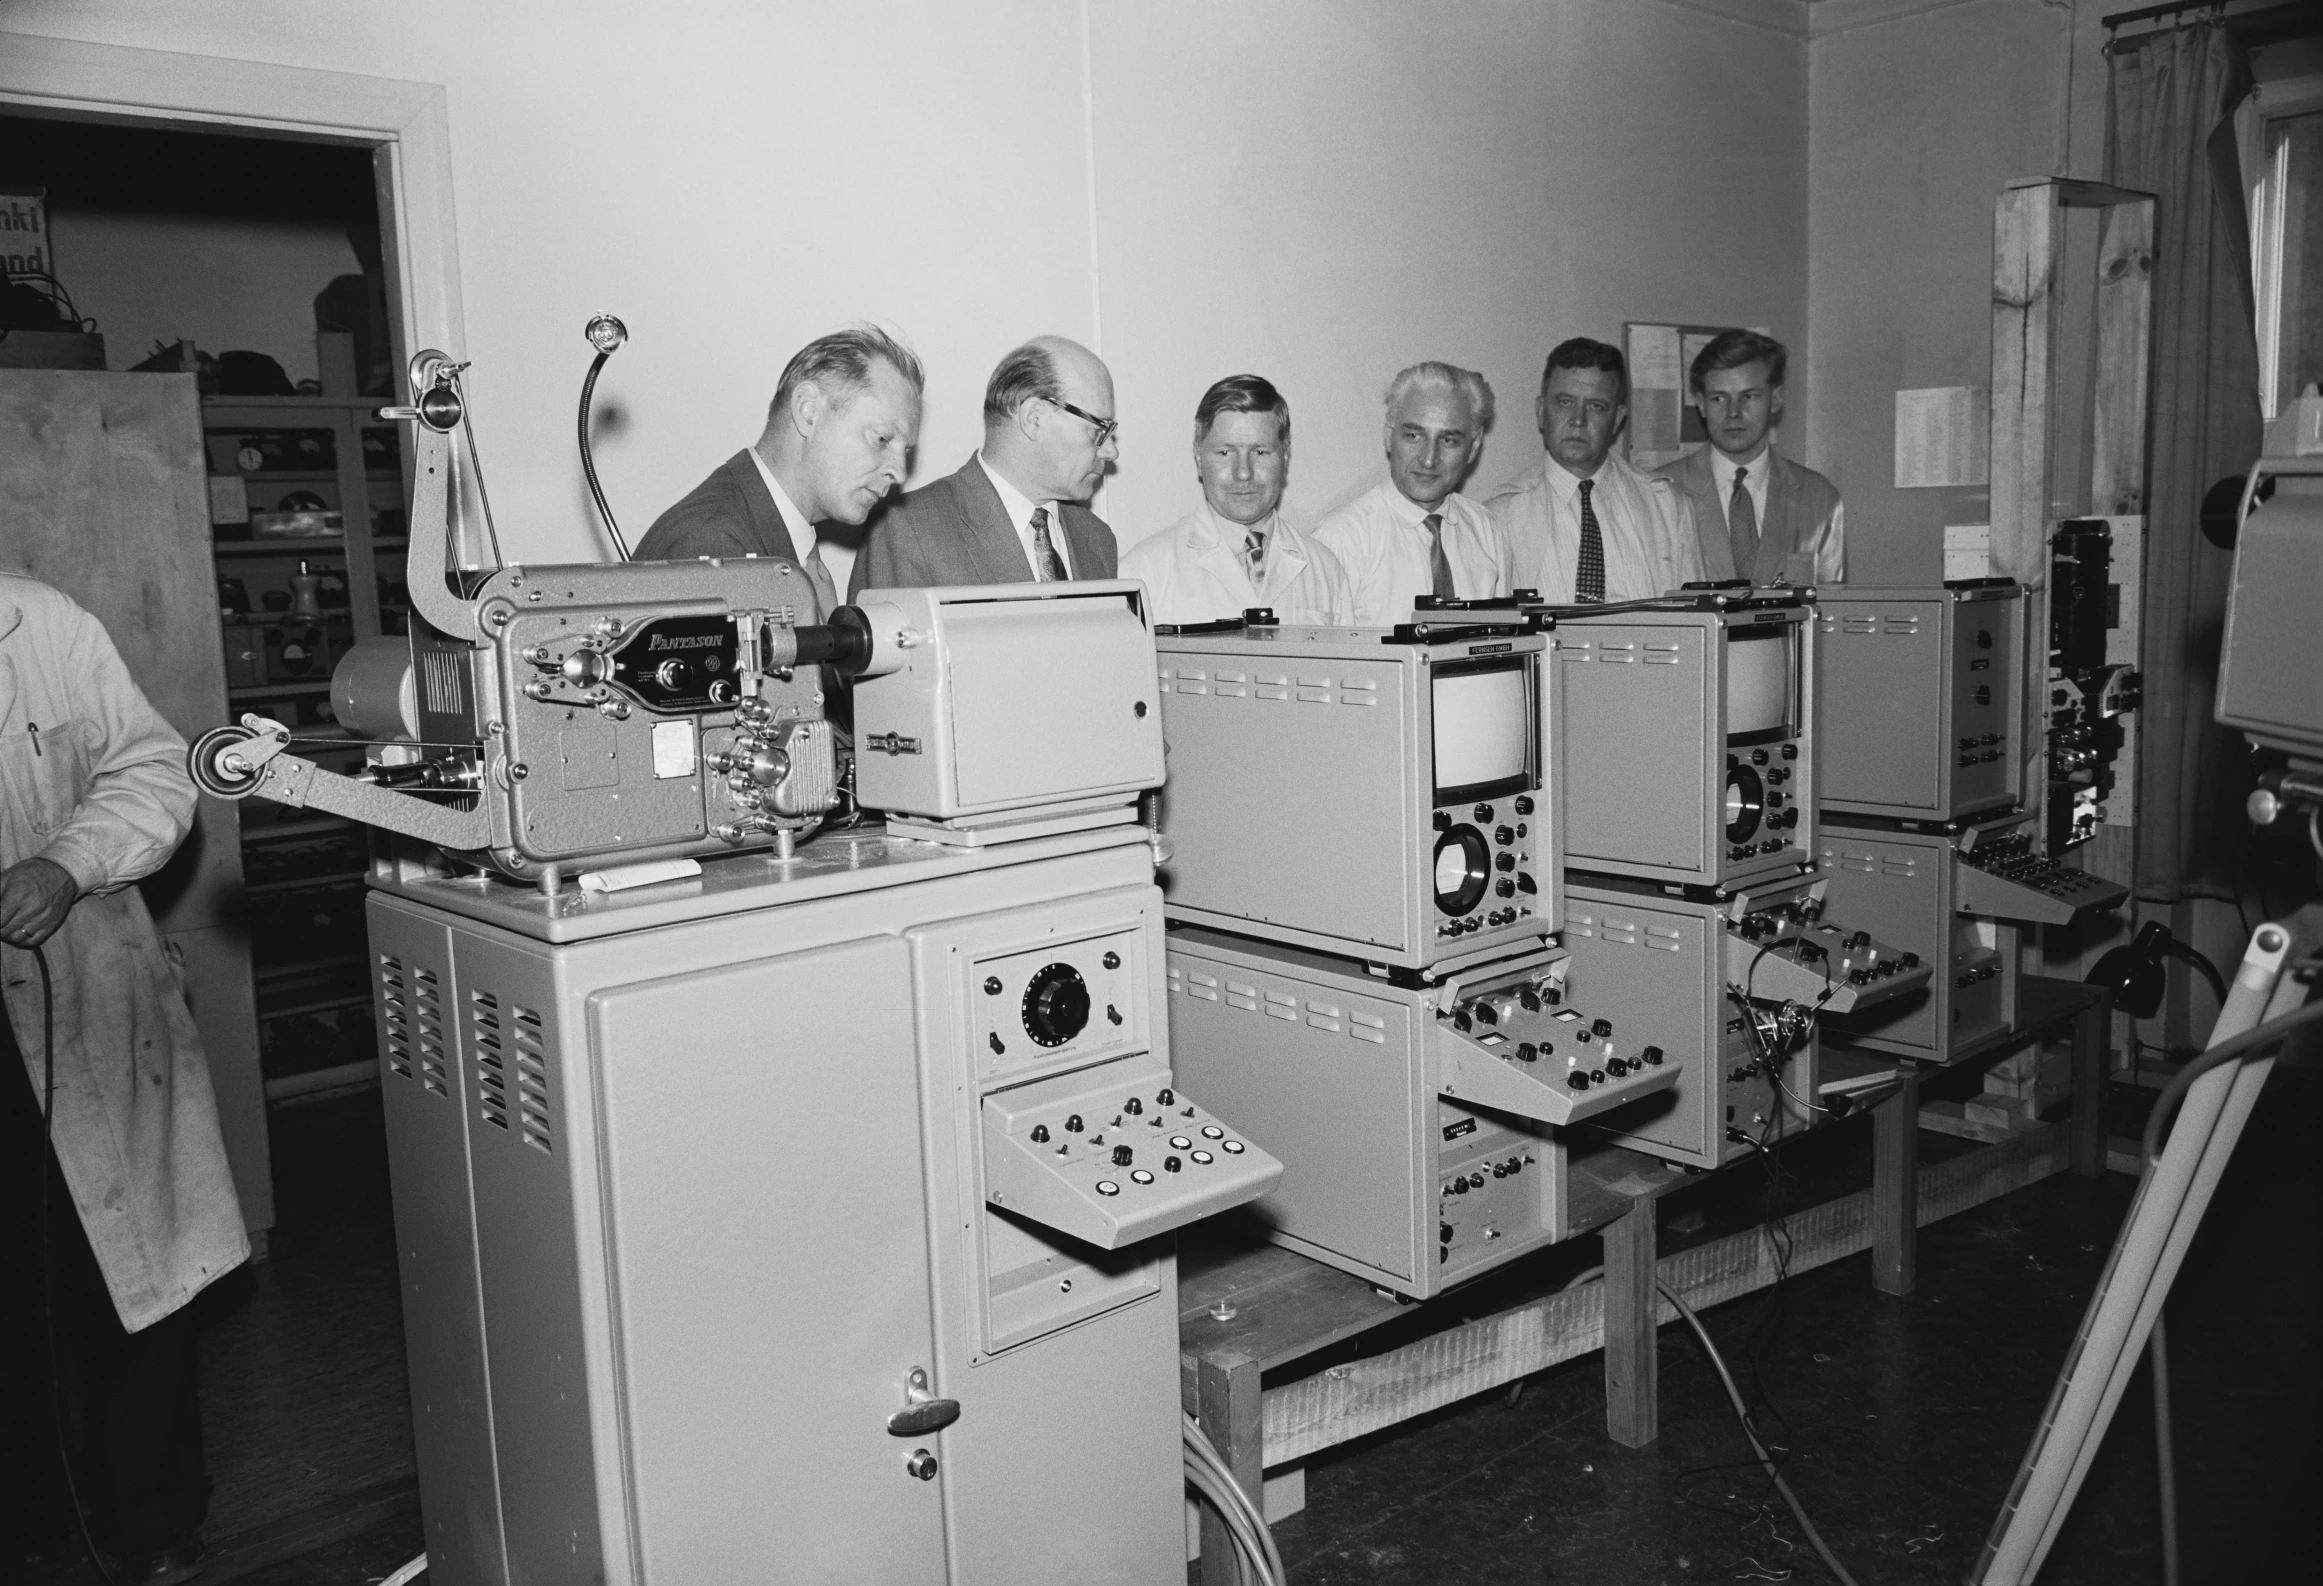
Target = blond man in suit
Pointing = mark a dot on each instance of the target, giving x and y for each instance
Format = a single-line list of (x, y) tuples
[(1754, 514)]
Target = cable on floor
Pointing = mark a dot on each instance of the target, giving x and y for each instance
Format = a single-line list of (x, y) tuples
[(410, 1572), (1256, 1557), (1742, 1414)]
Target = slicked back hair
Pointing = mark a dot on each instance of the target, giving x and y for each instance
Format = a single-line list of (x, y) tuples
[(1028, 372), (1582, 353), (1242, 393), (1467, 382), (840, 365), (1731, 349)]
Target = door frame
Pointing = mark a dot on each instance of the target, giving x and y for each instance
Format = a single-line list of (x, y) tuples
[(407, 123)]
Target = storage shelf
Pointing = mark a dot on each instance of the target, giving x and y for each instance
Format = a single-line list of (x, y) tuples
[(320, 826), (320, 685), (359, 999), (315, 545), (306, 966), (336, 878)]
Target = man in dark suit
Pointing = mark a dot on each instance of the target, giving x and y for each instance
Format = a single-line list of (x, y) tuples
[(838, 438), (1013, 513), (1754, 514)]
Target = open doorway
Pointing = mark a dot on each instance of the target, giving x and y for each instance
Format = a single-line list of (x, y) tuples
[(265, 272)]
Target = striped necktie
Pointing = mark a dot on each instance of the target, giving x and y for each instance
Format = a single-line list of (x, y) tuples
[(1047, 566), (1254, 552), (1589, 577), (1439, 566), (1742, 525)]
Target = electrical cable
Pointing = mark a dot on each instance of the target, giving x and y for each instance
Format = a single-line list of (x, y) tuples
[(2157, 1345), (408, 1572), (1257, 1558), (1734, 1397)]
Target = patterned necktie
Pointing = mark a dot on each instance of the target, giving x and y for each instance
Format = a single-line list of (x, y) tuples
[(1742, 525), (1254, 551), (1589, 577), (1047, 566), (1439, 566)]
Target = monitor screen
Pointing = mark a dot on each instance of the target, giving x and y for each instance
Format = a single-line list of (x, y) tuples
[(1485, 725), (1758, 683)]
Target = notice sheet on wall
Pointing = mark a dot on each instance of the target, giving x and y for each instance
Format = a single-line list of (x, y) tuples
[(1943, 437)]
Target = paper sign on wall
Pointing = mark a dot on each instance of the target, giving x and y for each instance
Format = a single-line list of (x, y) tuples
[(1943, 437), (1663, 425)]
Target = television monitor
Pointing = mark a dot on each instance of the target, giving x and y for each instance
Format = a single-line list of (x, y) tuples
[(1485, 727), (1760, 693)]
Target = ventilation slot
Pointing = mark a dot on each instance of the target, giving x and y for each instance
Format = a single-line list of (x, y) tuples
[(491, 1060), (428, 1025), (532, 1080), (395, 1014), (447, 692)]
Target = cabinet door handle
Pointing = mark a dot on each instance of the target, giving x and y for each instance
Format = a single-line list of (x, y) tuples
[(922, 1411)]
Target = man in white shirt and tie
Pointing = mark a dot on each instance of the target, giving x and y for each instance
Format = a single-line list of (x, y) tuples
[(1236, 550), (1012, 513), (1584, 525), (1415, 534), (838, 438), (1753, 514)]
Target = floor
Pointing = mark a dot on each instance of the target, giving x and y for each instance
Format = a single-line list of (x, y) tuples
[(1904, 1419)]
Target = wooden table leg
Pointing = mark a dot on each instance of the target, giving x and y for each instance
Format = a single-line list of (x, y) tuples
[(2087, 1137), (1230, 1408), (1895, 1187), (1632, 1365)]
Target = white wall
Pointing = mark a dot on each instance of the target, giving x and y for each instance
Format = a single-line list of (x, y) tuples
[(1320, 191), (221, 284)]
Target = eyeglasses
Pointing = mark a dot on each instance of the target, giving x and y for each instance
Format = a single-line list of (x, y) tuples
[(1106, 428)]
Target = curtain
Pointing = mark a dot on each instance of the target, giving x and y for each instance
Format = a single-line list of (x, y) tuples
[(2171, 133)]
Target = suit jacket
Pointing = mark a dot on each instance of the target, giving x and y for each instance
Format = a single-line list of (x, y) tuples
[(955, 531), (1801, 539), (731, 514)]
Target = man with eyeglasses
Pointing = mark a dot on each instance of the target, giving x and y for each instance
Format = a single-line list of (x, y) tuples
[(1584, 524), (1013, 513), (1755, 515), (1415, 534), (838, 438)]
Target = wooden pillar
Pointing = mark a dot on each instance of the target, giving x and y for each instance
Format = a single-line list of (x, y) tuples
[(2087, 1140), (1230, 1407), (1895, 1187), (1632, 1364)]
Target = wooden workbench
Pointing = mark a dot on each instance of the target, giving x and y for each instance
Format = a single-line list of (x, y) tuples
[(1247, 1308)]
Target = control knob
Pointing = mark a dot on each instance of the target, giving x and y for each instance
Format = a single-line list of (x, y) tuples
[(1056, 1004)]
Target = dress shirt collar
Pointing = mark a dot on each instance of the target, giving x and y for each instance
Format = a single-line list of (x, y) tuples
[(1018, 506), (802, 533), (1225, 531), (1565, 487), (1723, 468), (1409, 513)]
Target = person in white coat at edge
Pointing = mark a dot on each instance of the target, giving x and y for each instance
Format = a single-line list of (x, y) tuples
[(140, 1208), (1237, 550)]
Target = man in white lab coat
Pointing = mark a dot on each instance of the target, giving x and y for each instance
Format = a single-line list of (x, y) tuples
[(1236, 550)]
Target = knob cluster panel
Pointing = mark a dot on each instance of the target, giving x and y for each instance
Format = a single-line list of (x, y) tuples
[(1064, 1000), (1485, 869)]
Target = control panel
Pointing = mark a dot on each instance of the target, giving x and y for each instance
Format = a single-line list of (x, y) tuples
[(2092, 681), (1115, 1155), (1762, 800), (2004, 874), (1485, 871), (1487, 1186), (1060, 1003), (1514, 1046), (1786, 950)]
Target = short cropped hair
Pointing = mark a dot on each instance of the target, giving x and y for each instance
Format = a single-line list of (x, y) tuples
[(1242, 393), (1467, 382), (840, 366), (1027, 373), (1582, 353), (1731, 349)]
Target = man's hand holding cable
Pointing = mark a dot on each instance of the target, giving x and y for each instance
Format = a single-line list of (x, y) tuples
[(35, 897)]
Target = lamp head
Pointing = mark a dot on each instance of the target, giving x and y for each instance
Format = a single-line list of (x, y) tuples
[(2133, 972)]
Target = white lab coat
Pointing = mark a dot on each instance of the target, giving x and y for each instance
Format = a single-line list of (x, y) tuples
[(92, 779), (1194, 571)]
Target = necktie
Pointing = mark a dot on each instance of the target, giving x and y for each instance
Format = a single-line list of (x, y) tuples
[(1589, 577), (1742, 525), (1439, 566), (1047, 566), (1254, 550)]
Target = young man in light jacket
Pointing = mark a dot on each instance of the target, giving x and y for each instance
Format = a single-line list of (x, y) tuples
[(142, 1213), (1237, 550)]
